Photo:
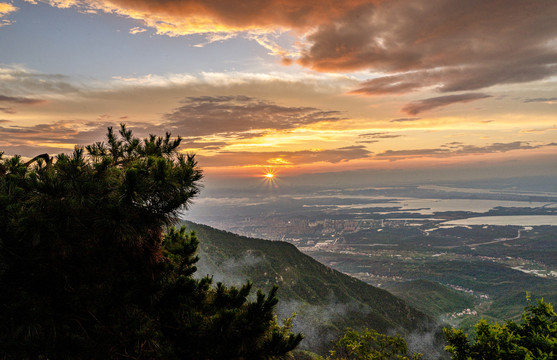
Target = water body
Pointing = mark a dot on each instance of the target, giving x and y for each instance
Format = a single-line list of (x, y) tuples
[(432, 206), (516, 220)]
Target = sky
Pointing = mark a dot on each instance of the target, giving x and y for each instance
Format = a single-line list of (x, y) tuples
[(291, 86)]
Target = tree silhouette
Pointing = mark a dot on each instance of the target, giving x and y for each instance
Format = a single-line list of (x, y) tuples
[(87, 271)]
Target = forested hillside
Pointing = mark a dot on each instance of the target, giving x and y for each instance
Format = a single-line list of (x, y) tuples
[(325, 300)]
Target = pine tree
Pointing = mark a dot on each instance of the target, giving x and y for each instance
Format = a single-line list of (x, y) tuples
[(87, 272)]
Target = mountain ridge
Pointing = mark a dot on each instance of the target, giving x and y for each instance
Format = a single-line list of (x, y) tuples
[(325, 300)]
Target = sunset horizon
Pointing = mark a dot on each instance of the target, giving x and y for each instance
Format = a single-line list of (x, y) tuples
[(301, 87)]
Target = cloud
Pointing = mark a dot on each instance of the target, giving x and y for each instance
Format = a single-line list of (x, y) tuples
[(212, 38), (58, 132), (417, 107), (380, 135), (17, 82), (60, 136), (65, 133), (452, 45), (552, 100), (244, 158), (20, 100), (137, 30), (405, 119), (542, 130), (30, 141), (199, 143), (7, 110), (184, 17), (374, 137), (17, 101), (5, 10), (457, 78), (458, 149), (234, 116)]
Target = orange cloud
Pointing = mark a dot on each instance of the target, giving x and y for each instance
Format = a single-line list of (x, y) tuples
[(6, 9), (278, 158), (453, 45), (199, 16)]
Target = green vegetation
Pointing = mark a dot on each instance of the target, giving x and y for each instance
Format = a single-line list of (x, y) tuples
[(370, 345), (326, 301), (434, 298), (87, 271), (535, 337), (492, 278), (91, 268)]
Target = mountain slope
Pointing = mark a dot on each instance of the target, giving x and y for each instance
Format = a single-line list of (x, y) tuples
[(325, 300), (431, 297)]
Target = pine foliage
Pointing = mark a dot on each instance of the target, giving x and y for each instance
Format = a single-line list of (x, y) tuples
[(87, 271)]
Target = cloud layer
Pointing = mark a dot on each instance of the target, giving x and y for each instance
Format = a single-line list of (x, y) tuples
[(241, 116), (459, 149), (449, 45), (416, 107), (17, 83), (277, 158), (12, 100)]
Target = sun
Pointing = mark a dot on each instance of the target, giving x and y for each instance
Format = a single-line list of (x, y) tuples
[(269, 178), (269, 175)]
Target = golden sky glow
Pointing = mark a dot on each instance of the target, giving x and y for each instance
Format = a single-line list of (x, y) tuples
[(301, 86)]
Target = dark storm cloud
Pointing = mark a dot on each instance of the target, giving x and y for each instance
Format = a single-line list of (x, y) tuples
[(241, 116), (419, 106)]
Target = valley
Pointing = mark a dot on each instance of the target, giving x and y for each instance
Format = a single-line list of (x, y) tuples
[(456, 253)]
